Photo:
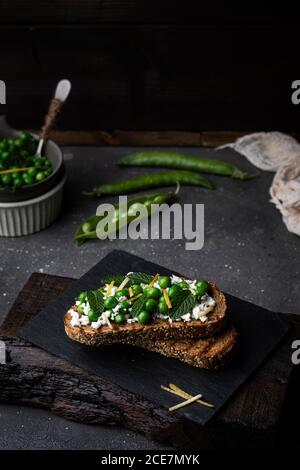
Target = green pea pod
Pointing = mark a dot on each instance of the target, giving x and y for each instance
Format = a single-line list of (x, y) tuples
[(88, 229), (153, 180), (161, 158)]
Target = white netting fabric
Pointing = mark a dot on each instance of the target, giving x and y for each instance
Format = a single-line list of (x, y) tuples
[(280, 153)]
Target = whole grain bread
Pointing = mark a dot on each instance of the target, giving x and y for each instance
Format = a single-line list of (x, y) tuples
[(158, 329), (205, 353)]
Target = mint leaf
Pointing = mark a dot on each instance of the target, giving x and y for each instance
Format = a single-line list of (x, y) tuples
[(138, 306), (138, 278), (95, 301), (182, 303), (100, 302)]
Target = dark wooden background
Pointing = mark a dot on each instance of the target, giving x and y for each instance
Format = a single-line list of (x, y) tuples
[(151, 64)]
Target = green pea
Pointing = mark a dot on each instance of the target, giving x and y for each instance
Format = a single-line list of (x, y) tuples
[(16, 174), (93, 316), (152, 292), (174, 290), (87, 227), (136, 289), (3, 145), (18, 143), (122, 293), (201, 287), (31, 171), (162, 307), (82, 296), (124, 306), (25, 136), (12, 146), (144, 317), (183, 285), (27, 179), (40, 176), (110, 302), (119, 318), (6, 179), (151, 306), (164, 282), (18, 182)]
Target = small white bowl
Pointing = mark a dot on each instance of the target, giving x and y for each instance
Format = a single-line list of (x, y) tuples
[(31, 216)]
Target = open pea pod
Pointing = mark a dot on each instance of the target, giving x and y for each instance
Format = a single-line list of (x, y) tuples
[(88, 229)]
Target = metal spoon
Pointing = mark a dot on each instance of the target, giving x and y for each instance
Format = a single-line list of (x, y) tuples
[(61, 94)]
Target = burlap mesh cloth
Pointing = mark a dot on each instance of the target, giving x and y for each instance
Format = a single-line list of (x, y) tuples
[(280, 153)]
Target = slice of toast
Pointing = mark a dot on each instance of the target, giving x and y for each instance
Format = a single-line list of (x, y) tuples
[(205, 353), (158, 329)]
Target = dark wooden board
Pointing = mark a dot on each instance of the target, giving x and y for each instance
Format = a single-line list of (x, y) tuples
[(147, 138), (136, 11), (151, 76), (36, 378), (142, 371)]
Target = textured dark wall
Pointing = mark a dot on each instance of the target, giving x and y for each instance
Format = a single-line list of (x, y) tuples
[(151, 65)]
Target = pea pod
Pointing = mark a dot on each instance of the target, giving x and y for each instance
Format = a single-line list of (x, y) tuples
[(160, 158), (88, 229), (153, 180)]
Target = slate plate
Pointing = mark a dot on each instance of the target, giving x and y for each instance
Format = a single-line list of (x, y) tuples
[(143, 372)]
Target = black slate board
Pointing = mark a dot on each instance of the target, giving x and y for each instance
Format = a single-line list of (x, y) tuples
[(143, 372)]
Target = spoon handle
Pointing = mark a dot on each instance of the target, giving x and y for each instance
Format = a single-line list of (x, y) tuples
[(61, 93)]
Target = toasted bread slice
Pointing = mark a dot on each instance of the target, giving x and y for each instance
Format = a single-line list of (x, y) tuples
[(158, 329), (205, 353)]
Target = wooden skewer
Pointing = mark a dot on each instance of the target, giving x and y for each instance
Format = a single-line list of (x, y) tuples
[(167, 389), (181, 393), (185, 403), (186, 395), (13, 170)]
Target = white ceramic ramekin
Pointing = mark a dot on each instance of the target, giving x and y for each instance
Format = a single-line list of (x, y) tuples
[(31, 216)]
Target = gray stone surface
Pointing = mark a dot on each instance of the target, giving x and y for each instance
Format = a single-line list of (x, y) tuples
[(247, 250), (34, 429)]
